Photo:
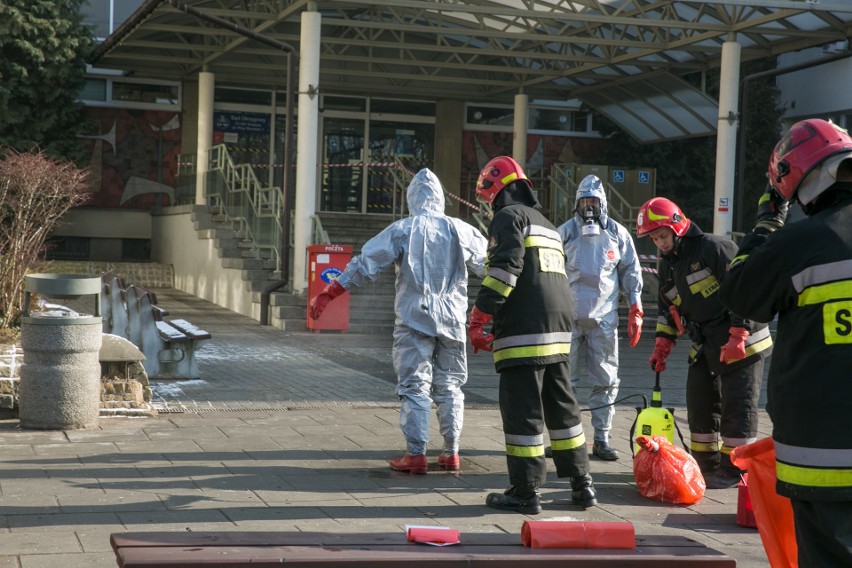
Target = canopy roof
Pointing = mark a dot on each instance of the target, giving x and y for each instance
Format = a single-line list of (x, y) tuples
[(625, 58)]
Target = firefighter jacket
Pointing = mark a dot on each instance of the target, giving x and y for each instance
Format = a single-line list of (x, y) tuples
[(689, 281), (525, 288), (803, 273)]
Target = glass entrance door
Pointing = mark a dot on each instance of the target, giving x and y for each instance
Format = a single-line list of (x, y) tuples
[(398, 150), (372, 179), (343, 165)]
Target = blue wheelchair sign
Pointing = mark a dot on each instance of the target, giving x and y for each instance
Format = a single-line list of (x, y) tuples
[(644, 177), (618, 176)]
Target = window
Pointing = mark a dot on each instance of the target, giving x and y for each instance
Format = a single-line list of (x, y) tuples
[(123, 9), (551, 119), (144, 93), (243, 96), (96, 13), (344, 103), (67, 248), (416, 108), (94, 90), (135, 249), (554, 118), (490, 116), (105, 16), (130, 93)]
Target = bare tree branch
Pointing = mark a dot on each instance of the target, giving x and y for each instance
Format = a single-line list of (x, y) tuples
[(35, 192)]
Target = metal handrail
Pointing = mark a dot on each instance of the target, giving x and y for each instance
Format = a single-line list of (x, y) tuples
[(246, 201), (320, 235), (563, 191), (402, 177), (619, 208)]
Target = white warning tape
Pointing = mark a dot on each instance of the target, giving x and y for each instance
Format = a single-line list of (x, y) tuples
[(359, 164)]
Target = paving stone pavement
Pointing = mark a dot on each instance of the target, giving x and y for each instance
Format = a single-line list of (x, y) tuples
[(292, 431)]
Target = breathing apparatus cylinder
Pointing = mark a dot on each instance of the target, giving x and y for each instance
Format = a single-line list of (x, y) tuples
[(655, 420)]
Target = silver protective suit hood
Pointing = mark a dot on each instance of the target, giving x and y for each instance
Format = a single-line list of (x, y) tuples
[(591, 186), (425, 194)]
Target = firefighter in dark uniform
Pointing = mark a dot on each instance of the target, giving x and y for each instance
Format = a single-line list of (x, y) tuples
[(526, 293), (726, 359), (803, 273)]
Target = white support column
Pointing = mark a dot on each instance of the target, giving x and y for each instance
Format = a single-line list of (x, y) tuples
[(206, 85), (306, 149), (726, 139), (519, 133)]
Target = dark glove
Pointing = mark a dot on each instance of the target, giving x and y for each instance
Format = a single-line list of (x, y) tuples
[(734, 350), (662, 349), (478, 338), (771, 210), (693, 330), (319, 303), (634, 324)]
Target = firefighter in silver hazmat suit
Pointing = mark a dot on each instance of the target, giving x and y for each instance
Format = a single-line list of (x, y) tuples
[(432, 253), (601, 263)]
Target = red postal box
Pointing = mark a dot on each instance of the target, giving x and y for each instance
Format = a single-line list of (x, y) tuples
[(325, 264)]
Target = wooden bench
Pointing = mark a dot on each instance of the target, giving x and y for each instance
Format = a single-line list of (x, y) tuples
[(113, 306), (182, 338), (169, 346), (350, 550)]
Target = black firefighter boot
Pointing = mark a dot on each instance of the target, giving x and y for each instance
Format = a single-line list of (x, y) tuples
[(583, 491), (708, 462), (727, 475), (521, 500)]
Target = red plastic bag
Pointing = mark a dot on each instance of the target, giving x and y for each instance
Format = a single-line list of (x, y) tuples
[(773, 513), (667, 473)]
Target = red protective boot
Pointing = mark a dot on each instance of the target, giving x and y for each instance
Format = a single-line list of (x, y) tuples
[(449, 461), (411, 464)]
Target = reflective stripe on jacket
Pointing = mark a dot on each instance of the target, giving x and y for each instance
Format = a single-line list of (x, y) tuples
[(803, 273), (690, 279), (525, 289)]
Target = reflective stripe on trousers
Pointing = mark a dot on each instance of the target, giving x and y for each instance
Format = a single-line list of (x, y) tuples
[(532, 398)]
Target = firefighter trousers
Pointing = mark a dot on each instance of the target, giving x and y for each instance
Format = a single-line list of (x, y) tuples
[(533, 397), (823, 532), (725, 404)]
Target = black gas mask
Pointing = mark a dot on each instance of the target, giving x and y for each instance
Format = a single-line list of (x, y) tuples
[(590, 211)]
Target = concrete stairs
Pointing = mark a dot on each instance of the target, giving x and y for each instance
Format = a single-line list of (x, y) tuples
[(257, 266), (371, 305)]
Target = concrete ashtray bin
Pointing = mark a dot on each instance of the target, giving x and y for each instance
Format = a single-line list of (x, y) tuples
[(61, 375)]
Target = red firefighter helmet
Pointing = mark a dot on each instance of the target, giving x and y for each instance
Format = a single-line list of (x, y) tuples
[(804, 147), (497, 174), (661, 212)]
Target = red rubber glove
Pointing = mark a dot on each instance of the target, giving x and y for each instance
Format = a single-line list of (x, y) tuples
[(634, 324), (320, 302), (662, 349), (478, 338), (677, 320), (734, 350)]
